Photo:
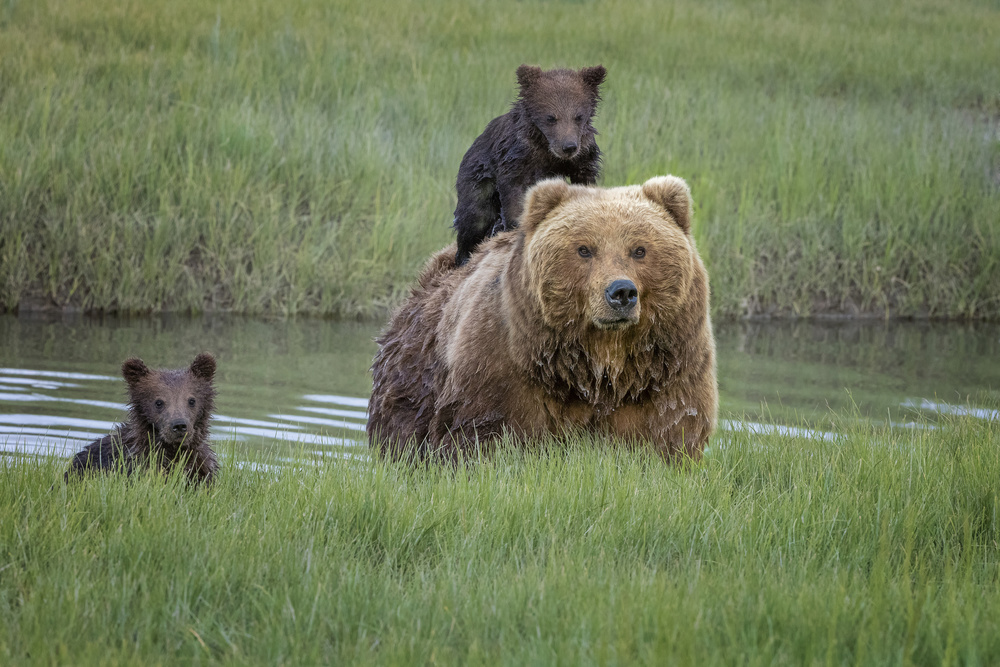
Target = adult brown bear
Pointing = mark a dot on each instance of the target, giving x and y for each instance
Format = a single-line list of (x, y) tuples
[(592, 315)]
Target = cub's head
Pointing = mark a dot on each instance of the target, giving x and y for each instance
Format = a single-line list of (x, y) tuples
[(560, 103), (174, 403), (611, 259)]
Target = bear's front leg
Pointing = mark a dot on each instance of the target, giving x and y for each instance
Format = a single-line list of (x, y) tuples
[(511, 205), (588, 168), (476, 215), (679, 429)]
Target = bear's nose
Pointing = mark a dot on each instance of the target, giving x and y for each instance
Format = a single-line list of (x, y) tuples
[(569, 147), (622, 295), (179, 426)]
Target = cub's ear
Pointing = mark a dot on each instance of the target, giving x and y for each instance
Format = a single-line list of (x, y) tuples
[(541, 200), (593, 76), (203, 366), (673, 194), (134, 369), (527, 75)]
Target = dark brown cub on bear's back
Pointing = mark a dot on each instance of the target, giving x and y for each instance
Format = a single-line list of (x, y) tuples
[(547, 133), (168, 419)]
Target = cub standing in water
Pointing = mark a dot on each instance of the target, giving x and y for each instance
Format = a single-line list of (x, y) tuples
[(547, 133), (168, 420)]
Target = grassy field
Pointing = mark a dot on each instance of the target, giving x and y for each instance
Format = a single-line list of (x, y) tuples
[(878, 549), (282, 158)]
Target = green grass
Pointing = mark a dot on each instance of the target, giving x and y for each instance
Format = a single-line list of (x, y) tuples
[(282, 158), (878, 549)]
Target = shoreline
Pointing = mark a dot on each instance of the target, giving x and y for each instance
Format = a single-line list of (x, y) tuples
[(43, 311)]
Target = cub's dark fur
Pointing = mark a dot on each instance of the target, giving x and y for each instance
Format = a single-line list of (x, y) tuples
[(167, 425), (547, 133)]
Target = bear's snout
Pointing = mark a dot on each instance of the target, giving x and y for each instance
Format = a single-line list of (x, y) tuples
[(622, 295), (569, 148), (620, 306), (178, 427)]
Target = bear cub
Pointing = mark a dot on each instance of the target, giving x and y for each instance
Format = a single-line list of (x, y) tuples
[(547, 133), (167, 425)]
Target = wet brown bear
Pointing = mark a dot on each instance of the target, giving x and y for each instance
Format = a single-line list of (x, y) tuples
[(547, 132), (593, 315), (168, 420)]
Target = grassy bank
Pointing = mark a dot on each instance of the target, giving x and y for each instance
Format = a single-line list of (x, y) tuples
[(878, 549), (270, 157)]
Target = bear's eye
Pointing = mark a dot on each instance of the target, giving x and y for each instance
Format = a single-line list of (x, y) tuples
[(584, 251), (639, 252), (159, 404), (191, 402), (579, 118), (551, 120)]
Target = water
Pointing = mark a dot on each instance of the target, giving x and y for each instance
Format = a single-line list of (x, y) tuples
[(883, 372), (304, 383)]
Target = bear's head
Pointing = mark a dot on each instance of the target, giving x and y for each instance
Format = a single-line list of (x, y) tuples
[(560, 104), (611, 260), (171, 404)]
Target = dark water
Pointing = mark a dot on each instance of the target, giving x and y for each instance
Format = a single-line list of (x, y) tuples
[(882, 372), (305, 382)]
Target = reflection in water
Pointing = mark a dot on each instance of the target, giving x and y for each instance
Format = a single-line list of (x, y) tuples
[(808, 373), (756, 428), (960, 410), (339, 400), (302, 384)]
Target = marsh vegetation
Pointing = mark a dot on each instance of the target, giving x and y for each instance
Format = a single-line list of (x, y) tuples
[(877, 548), (290, 158)]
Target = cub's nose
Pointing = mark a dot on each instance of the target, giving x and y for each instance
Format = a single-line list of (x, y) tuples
[(622, 295), (569, 147), (179, 426)]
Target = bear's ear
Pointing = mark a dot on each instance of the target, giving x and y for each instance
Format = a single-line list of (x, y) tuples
[(673, 194), (593, 76), (203, 366), (527, 76), (134, 369), (541, 200)]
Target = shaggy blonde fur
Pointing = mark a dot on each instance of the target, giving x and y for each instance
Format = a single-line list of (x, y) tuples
[(592, 315)]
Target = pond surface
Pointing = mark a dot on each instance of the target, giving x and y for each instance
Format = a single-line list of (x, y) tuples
[(306, 382)]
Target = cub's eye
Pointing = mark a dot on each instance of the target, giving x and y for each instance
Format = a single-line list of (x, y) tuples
[(551, 120), (191, 402), (579, 118), (159, 404), (584, 251), (639, 252)]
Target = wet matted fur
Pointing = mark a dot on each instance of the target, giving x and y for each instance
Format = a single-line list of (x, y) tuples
[(547, 132), (592, 315), (168, 423)]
